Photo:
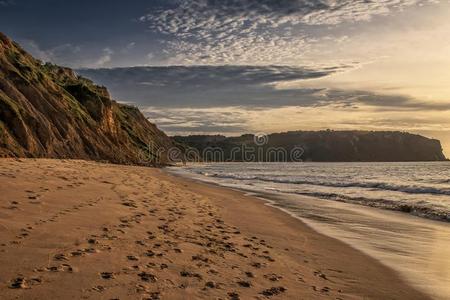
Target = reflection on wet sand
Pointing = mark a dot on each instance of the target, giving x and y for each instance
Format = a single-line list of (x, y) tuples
[(418, 248)]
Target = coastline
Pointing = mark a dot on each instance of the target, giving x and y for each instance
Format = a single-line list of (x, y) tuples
[(414, 247), (209, 238), (365, 277)]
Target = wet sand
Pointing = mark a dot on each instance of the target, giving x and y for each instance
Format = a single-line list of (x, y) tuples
[(85, 230), (417, 248)]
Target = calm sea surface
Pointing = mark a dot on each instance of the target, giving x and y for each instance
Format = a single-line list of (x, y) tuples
[(399, 213)]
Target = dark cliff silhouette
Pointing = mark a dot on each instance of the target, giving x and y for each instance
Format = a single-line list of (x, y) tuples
[(320, 146)]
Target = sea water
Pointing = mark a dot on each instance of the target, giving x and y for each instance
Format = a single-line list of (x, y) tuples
[(398, 213)]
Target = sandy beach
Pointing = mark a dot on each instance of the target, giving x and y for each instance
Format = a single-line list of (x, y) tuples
[(84, 230)]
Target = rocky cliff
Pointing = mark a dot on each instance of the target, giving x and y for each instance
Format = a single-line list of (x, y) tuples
[(321, 146), (49, 111)]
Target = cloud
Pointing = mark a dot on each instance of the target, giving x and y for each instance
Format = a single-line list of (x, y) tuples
[(150, 57), (232, 100), (129, 47), (105, 58), (243, 86), (56, 54), (227, 120), (205, 86), (69, 55), (238, 120), (256, 31)]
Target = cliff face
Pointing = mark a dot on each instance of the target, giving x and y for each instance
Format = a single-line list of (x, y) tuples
[(321, 146), (49, 111)]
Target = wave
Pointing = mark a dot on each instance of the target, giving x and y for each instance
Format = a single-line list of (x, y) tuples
[(424, 210), (442, 181), (367, 185), (420, 209)]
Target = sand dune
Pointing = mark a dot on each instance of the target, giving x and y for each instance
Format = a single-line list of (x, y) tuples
[(84, 230)]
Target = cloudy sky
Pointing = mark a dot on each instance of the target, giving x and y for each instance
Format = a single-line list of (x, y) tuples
[(235, 66)]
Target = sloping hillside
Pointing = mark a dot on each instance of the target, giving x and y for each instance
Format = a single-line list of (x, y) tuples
[(49, 111)]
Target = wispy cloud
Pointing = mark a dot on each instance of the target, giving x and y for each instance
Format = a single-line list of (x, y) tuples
[(129, 47), (227, 120), (105, 58), (256, 31), (56, 54), (68, 54), (238, 120)]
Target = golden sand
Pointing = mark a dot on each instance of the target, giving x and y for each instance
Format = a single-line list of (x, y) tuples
[(84, 230)]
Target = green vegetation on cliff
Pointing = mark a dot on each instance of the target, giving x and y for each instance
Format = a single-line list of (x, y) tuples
[(49, 111)]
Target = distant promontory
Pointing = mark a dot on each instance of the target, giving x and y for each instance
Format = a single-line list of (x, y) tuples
[(319, 146)]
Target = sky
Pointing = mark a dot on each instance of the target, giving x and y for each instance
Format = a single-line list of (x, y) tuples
[(238, 66)]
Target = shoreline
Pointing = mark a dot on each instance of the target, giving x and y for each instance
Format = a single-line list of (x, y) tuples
[(412, 209), (263, 199), (78, 229), (414, 247)]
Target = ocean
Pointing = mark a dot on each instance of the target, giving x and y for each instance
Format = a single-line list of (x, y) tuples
[(398, 213)]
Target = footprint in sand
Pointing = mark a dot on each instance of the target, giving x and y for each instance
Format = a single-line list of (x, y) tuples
[(141, 243), (22, 283), (99, 288), (107, 275), (243, 283), (200, 257), (233, 296), (257, 265), (320, 274), (60, 268), (144, 276), (190, 274), (132, 258), (60, 256), (273, 291), (211, 284), (18, 283)]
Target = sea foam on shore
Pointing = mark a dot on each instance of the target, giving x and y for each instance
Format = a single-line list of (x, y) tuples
[(417, 247)]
